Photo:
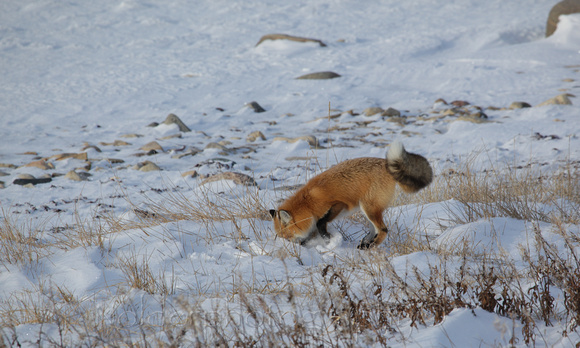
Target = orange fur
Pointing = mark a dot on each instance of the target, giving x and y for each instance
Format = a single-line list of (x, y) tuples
[(362, 183)]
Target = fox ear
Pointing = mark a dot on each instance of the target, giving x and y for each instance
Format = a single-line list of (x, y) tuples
[(285, 217), (272, 213)]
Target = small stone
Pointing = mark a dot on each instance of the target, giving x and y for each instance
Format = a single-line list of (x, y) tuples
[(391, 112), (31, 153), (26, 176), (214, 145), (311, 139), (190, 174), (450, 112), (189, 152), (519, 105), (153, 124), (255, 106), (472, 119), (81, 176), (115, 143), (2, 185), (562, 99), (149, 166), (397, 119), (80, 156), (289, 37), (440, 100), (323, 75), (31, 182), (172, 136), (152, 146), (237, 178), (3, 173), (88, 146), (459, 103), (373, 111), (568, 80), (132, 135), (478, 114), (114, 160), (254, 136), (8, 165), (173, 119), (41, 164)]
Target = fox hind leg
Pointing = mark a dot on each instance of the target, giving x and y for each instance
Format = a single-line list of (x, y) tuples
[(376, 237)]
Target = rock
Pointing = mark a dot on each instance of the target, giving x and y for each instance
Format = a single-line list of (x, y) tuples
[(440, 101), (148, 166), (459, 103), (153, 124), (115, 143), (26, 182), (255, 106), (289, 37), (80, 156), (474, 118), (311, 139), (2, 185), (237, 178), (173, 119), (8, 165), (190, 174), (562, 99), (216, 146), (450, 112), (478, 114), (131, 135), (3, 173), (397, 119), (42, 164), (172, 136), (391, 112), (254, 136), (81, 176), (114, 160), (323, 75), (373, 111), (519, 105), (189, 152), (562, 8), (26, 176), (88, 146), (152, 146)]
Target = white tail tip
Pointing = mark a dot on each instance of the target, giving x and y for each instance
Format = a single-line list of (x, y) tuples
[(396, 150)]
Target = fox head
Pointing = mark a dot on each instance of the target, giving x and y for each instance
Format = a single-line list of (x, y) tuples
[(287, 227)]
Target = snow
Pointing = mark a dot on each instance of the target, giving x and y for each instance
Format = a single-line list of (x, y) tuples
[(74, 73)]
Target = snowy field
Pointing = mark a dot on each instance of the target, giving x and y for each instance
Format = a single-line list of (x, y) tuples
[(119, 229)]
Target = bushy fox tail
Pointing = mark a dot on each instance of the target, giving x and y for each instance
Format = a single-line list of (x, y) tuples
[(410, 170)]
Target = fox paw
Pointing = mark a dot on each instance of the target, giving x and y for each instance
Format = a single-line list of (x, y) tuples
[(368, 241), (366, 245)]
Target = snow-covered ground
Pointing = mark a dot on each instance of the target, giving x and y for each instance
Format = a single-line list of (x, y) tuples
[(77, 76)]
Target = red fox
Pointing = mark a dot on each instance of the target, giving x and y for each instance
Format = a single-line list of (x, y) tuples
[(366, 183)]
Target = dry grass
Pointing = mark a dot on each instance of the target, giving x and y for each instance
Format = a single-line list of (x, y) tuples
[(360, 298)]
